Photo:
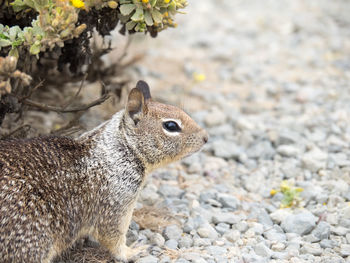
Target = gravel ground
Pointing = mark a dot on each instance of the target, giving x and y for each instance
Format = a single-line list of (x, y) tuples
[(275, 101)]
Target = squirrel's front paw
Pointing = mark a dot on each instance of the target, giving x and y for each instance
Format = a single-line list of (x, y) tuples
[(131, 254)]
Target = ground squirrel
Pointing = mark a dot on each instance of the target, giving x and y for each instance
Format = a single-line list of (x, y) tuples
[(55, 190)]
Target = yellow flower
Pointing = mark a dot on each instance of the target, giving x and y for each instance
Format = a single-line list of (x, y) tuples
[(166, 1), (299, 189), (78, 3), (285, 186), (198, 77), (273, 192), (112, 4), (145, 1)]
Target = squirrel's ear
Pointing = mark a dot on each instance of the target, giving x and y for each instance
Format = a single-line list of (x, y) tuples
[(144, 88), (135, 106)]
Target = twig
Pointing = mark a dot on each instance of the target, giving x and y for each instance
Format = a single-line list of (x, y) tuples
[(71, 127), (24, 128), (45, 107), (125, 50), (77, 93), (31, 91)]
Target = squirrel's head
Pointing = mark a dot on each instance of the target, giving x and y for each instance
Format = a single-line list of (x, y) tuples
[(159, 133)]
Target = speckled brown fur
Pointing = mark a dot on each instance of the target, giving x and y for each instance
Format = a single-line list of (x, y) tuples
[(56, 190)]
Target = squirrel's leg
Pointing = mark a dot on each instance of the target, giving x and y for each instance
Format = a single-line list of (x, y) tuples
[(112, 235)]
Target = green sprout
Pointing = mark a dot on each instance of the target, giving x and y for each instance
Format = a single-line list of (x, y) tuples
[(291, 194)]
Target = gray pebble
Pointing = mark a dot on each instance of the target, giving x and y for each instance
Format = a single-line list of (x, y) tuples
[(216, 250), (201, 242), (262, 250), (172, 232), (207, 231), (261, 150), (222, 228), (232, 235), (228, 201), (170, 191), (185, 242), (345, 250), (148, 259), (326, 243), (171, 243), (157, 239), (339, 230), (301, 223), (228, 218), (313, 249), (322, 230)]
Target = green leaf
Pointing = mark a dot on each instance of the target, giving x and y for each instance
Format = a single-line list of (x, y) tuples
[(34, 49), (148, 18), (14, 52), (138, 15), (153, 2), (127, 9), (5, 42), (14, 30), (157, 16), (130, 25)]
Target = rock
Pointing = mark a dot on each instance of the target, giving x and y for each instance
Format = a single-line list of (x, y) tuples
[(280, 255), (278, 246), (258, 228), (263, 217), (244, 124), (228, 201), (201, 242), (262, 250), (149, 196), (261, 150), (170, 191), (347, 236), (222, 228), (228, 218), (182, 260), (185, 242), (207, 231), (189, 225), (288, 137), (232, 235), (301, 223), (288, 150), (242, 226), (314, 160), (172, 232), (215, 118), (157, 239), (216, 250), (148, 259), (279, 215), (339, 230), (253, 258), (322, 230), (226, 149), (193, 257), (313, 249), (345, 250), (171, 243), (273, 235), (326, 243)]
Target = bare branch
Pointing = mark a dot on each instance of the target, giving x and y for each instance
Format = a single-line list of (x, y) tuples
[(45, 107)]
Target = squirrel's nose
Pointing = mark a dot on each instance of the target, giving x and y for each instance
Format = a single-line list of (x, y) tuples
[(205, 138)]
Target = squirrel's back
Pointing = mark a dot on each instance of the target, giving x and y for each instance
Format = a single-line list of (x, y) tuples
[(32, 190)]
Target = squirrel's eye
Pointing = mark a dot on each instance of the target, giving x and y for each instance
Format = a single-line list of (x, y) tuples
[(171, 126)]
